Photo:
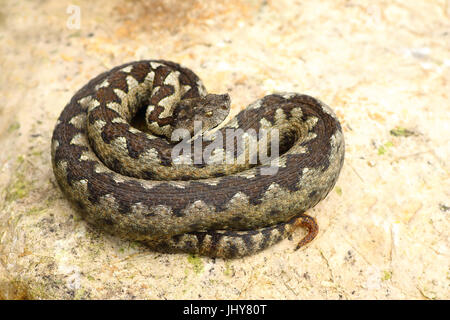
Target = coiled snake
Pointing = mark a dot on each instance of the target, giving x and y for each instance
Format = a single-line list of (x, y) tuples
[(123, 177)]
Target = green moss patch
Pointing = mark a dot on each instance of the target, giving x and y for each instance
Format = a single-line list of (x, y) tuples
[(196, 263)]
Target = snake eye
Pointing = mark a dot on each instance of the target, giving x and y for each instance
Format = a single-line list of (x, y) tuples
[(224, 107), (209, 114)]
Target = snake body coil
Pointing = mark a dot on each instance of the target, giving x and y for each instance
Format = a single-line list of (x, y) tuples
[(126, 180)]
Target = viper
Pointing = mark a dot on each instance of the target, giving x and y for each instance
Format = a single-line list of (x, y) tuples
[(116, 155)]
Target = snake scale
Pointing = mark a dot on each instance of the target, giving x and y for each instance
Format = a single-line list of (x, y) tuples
[(122, 176)]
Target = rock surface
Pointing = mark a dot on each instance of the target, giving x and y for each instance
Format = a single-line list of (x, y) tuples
[(385, 70)]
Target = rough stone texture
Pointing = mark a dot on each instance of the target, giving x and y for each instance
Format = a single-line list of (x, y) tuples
[(384, 67)]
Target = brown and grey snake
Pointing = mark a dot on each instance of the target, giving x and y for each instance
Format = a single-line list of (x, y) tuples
[(120, 171)]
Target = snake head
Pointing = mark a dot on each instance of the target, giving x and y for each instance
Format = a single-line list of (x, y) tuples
[(210, 111)]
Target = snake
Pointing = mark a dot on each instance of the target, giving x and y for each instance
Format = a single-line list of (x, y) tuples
[(125, 153)]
